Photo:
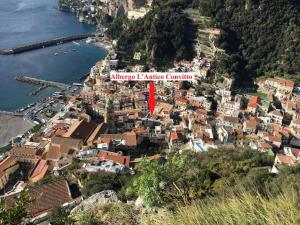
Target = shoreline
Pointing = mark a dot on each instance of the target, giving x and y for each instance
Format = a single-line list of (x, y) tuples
[(13, 123), (105, 44)]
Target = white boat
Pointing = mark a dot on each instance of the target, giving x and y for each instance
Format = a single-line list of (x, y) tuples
[(76, 43), (89, 40), (55, 53)]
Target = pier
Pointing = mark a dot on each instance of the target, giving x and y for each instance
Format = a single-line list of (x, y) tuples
[(37, 91), (36, 81), (44, 44)]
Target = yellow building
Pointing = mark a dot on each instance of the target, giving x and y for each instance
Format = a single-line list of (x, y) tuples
[(7, 167)]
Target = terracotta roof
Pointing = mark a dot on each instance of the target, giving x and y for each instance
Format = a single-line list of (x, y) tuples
[(83, 130), (123, 160), (252, 105), (209, 142), (100, 129), (282, 82), (140, 130), (174, 135), (251, 124), (177, 136), (202, 111), (253, 101), (182, 100), (47, 196), (264, 145), (66, 143), (59, 125), (286, 159), (153, 157), (53, 153), (41, 168), (130, 138), (105, 139), (24, 150), (289, 84), (292, 105), (102, 154), (231, 119), (274, 138), (73, 127)]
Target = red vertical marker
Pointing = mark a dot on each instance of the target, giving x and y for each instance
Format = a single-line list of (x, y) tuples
[(151, 100)]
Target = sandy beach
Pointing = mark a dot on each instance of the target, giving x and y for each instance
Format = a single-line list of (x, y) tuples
[(11, 126)]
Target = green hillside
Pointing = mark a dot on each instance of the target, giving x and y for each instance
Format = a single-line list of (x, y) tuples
[(261, 36)]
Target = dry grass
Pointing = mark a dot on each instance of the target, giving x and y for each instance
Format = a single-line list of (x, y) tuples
[(240, 208)]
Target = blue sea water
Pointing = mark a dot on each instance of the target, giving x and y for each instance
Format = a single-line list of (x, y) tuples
[(29, 21)]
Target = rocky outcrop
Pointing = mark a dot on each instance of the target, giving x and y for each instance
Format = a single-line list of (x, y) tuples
[(96, 200)]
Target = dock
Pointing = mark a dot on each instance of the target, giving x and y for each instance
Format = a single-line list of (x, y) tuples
[(36, 81), (44, 44)]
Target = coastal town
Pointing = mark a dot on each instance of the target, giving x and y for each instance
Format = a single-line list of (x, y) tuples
[(104, 125), (108, 124)]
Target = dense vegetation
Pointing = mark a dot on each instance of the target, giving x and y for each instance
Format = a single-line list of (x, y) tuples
[(96, 183), (115, 27), (189, 176), (164, 34), (259, 36), (239, 180), (18, 212)]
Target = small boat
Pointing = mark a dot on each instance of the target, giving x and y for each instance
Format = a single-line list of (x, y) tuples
[(55, 53), (76, 43), (89, 40)]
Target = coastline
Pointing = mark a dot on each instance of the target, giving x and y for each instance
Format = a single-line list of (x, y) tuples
[(106, 44), (13, 125)]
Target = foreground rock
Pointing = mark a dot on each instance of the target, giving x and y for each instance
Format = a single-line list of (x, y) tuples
[(96, 200)]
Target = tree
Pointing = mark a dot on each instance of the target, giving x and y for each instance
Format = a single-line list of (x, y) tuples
[(18, 212), (188, 176), (100, 182), (60, 216), (163, 35), (256, 42)]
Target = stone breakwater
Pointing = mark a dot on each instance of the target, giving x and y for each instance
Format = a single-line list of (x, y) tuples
[(44, 44), (35, 81)]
